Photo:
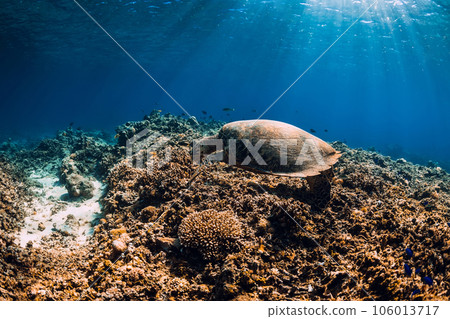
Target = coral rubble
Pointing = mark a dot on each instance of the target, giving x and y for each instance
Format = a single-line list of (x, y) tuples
[(179, 231)]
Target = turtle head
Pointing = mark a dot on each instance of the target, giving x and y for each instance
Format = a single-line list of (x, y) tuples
[(208, 147)]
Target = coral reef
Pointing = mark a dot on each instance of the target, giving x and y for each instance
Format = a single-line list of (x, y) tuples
[(385, 226), (88, 153), (184, 130), (213, 233), (12, 193)]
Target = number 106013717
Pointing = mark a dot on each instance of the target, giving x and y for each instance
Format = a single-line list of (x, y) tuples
[(405, 310)]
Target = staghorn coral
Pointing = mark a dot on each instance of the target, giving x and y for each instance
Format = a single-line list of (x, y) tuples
[(210, 232)]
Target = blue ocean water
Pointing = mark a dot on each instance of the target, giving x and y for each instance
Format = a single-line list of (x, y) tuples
[(384, 83)]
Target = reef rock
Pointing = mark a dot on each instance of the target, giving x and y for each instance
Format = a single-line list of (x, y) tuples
[(79, 186)]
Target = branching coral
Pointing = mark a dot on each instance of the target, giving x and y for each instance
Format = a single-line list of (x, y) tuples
[(212, 233)]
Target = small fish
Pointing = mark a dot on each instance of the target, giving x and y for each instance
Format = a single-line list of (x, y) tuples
[(428, 280), (416, 291), (409, 252), (228, 109), (204, 112), (418, 270), (254, 110), (312, 130), (70, 124), (408, 270), (325, 130)]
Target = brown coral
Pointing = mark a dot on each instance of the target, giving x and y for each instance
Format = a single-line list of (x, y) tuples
[(379, 207), (212, 233), (12, 188)]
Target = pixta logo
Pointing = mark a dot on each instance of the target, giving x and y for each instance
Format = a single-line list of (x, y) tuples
[(142, 150), (285, 152)]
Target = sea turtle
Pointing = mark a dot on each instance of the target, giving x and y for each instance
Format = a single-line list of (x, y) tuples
[(277, 148)]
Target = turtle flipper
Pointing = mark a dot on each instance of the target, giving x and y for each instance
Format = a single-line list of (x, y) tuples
[(320, 187)]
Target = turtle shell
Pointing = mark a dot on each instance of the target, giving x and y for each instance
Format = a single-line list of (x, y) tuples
[(276, 148)]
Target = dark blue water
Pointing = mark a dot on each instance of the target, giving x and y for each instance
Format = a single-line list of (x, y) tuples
[(385, 83)]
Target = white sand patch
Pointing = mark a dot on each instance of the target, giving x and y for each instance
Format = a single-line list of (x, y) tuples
[(52, 210)]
